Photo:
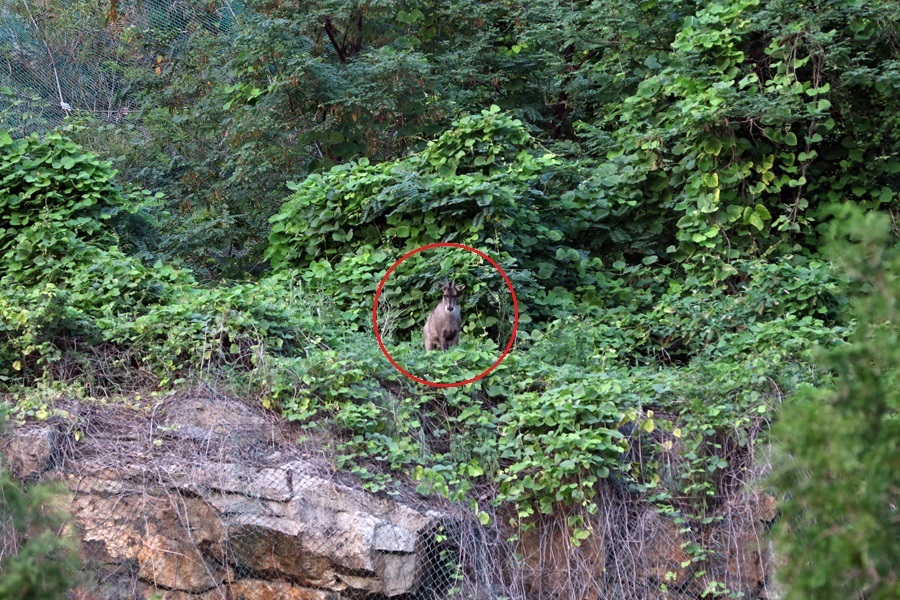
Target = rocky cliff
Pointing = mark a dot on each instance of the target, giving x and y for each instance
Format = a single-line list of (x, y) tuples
[(202, 496)]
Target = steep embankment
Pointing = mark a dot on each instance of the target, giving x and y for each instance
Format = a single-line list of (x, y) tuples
[(195, 493), (614, 450)]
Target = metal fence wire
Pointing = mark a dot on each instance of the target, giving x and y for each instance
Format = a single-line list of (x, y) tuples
[(55, 64), (204, 496)]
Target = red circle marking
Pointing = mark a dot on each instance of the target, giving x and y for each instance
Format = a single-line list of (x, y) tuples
[(512, 336)]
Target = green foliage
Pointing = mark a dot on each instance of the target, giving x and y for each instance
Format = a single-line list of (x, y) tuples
[(223, 111), (63, 273), (176, 326), (580, 397), (65, 282), (56, 202), (757, 117), (479, 183), (563, 440), (226, 327), (544, 430), (695, 133), (474, 175), (841, 444), (43, 559)]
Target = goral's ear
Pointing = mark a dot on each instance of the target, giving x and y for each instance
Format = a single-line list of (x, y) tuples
[(460, 287)]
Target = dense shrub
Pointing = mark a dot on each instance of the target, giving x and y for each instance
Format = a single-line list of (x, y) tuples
[(66, 280), (57, 202), (481, 183)]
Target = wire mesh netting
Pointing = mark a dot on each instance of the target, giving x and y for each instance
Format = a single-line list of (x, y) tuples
[(59, 63), (201, 494)]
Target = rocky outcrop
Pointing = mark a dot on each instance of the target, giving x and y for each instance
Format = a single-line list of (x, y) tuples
[(31, 453), (202, 497), (212, 522), (186, 523)]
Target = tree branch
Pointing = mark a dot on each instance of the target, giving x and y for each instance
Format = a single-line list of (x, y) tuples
[(331, 31)]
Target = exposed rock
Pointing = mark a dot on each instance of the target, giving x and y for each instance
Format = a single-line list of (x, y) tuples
[(123, 587), (30, 453), (268, 484), (205, 417), (744, 558), (742, 546), (171, 542), (178, 564), (662, 552), (774, 589), (245, 589), (550, 559), (252, 589), (240, 431), (276, 546), (763, 508), (237, 504), (334, 536), (325, 535), (174, 510), (151, 592)]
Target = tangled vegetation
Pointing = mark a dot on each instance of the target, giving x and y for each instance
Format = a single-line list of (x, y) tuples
[(658, 179)]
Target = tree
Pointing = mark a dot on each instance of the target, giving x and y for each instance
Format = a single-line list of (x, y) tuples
[(841, 474)]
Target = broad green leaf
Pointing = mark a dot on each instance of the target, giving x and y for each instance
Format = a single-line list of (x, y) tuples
[(762, 212)]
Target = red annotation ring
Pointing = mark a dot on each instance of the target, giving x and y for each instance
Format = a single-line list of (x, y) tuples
[(512, 337)]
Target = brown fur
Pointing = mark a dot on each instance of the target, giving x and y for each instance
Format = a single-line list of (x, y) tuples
[(443, 324)]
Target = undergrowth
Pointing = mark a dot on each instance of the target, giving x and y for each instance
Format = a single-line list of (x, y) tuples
[(661, 388)]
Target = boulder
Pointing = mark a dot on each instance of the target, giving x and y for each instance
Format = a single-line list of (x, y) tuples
[(30, 452), (175, 544)]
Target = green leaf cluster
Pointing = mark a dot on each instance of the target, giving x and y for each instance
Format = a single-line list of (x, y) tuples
[(66, 281), (480, 183), (57, 202), (736, 137)]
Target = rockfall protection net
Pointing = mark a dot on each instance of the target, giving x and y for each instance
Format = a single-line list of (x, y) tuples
[(204, 495), (51, 69)]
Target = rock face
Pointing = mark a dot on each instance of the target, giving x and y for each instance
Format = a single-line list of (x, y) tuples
[(31, 454), (207, 525), (200, 497), (315, 533)]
